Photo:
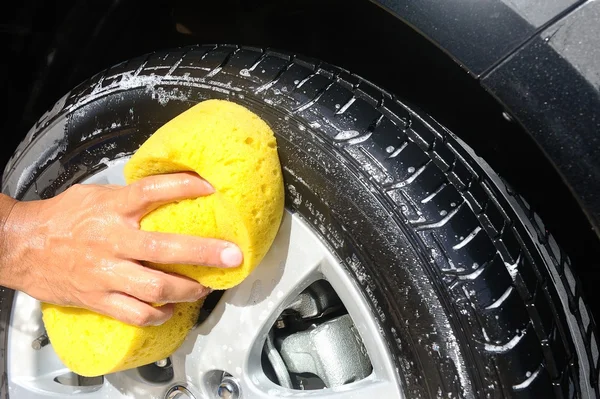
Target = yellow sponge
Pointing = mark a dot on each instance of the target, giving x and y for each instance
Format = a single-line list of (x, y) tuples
[(91, 344), (236, 152)]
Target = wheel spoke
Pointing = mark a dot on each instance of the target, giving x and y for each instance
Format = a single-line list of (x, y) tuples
[(113, 388), (58, 381), (236, 329), (366, 388), (127, 384), (364, 321), (113, 174)]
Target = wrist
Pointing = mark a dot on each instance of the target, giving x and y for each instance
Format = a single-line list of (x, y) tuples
[(7, 229), (7, 205)]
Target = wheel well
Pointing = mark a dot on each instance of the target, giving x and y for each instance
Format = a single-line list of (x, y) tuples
[(356, 35)]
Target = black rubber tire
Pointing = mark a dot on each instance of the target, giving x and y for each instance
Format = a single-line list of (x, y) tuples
[(474, 297)]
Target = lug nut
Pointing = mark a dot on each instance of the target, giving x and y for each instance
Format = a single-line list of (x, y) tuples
[(229, 389), (179, 392), (40, 342)]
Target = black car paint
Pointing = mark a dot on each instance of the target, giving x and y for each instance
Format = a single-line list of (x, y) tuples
[(478, 34), (552, 86), (541, 60)]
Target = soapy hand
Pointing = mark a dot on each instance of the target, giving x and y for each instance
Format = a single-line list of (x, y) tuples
[(84, 247)]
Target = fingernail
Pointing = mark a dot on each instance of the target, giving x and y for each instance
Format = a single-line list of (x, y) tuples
[(203, 293), (231, 256), (157, 323), (209, 186)]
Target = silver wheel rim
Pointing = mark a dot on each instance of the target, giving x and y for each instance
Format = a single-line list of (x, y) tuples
[(230, 339)]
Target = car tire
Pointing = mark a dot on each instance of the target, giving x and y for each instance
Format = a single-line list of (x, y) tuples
[(474, 297)]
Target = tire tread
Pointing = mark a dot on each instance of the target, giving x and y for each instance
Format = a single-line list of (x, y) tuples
[(399, 151)]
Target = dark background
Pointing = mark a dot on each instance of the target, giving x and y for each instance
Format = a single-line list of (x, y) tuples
[(48, 47)]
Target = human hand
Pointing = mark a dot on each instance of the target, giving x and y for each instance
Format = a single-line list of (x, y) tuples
[(84, 247)]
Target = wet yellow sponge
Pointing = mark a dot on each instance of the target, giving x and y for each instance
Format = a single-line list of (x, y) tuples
[(236, 152), (91, 344)]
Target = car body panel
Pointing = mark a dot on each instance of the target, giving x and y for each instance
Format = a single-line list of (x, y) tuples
[(552, 86), (541, 60), (478, 34)]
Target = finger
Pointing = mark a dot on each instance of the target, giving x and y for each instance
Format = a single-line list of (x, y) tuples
[(133, 311), (155, 286), (168, 248), (149, 193)]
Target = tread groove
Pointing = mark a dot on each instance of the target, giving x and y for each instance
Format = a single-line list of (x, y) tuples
[(219, 67), (440, 223), (312, 102), (433, 194), (274, 81), (407, 181), (467, 239), (526, 383), (496, 304)]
